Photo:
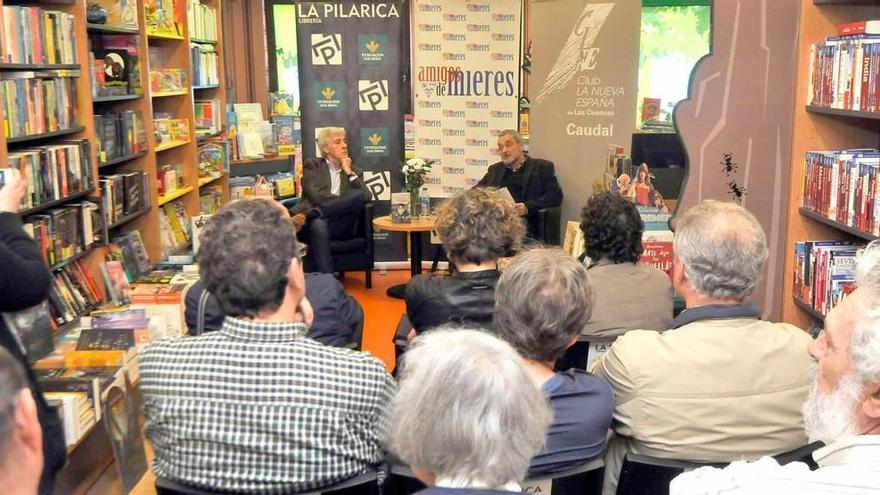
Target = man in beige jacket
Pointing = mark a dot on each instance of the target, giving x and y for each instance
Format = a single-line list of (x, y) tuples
[(721, 385)]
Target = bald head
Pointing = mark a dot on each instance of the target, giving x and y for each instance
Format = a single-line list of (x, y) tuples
[(722, 248)]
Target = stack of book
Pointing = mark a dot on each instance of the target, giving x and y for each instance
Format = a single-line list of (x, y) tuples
[(204, 65), (120, 134), (201, 20), (65, 232), (173, 226), (844, 70), (207, 117), (32, 35), (124, 194), (824, 273), (115, 66), (842, 185), (37, 102), (53, 172)]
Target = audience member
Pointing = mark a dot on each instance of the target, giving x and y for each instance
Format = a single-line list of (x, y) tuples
[(338, 316), (467, 418), (722, 384), (476, 228), (542, 302), (25, 281), (21, 440), (333, 197), (842, 410), (255, 407), (531, 181), (629, 295)]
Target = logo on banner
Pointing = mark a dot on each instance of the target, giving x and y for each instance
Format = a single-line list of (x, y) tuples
[(477, 143), (580, 42), (430, 142), (502, 57), (454, 17), (329, 95), (478, 47), (478, 7), (430, 7), (379, 184), (326, 49), (453, 37), (453, 132), (503, 17), (374, 141), (449, 150), (503, 37), (496, 114), (478, 28), (373, 95), (471, 162), (430, 28), (430, 47), (453, 56), (372, 48)]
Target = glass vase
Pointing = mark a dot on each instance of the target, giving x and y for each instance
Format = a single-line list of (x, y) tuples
[(414, 202)]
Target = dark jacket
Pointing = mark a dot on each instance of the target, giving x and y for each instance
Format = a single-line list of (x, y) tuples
[(316, 185), (337, 315), (540, 187), (24, 282), (460, 298)]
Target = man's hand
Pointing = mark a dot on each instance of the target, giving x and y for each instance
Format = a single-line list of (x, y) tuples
[(521, 209), (346, 165), (12, 192)]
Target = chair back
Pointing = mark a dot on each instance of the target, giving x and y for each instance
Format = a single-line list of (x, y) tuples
[(583, 479), (801, 454), (363, 484), (646, 475), (402, 481)]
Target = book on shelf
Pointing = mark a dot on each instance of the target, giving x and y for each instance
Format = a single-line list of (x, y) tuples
[(174, 227), (288, 135), (210, 199), (115, 65), (124, 194), (842, 185), (53, 172), (207, 116), (120, 134), (119, 13), (37, 102), (201, 21), (33, 35), (859, 27), (76, 412), (282, 104), (164, 17), (72, 292), (167, 80), (843, 72), (167, 129), (136, 262), (64, 232), (204, 65), (211, 157), (824, 273)]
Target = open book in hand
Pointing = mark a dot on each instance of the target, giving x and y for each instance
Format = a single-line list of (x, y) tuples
[(504, 194)]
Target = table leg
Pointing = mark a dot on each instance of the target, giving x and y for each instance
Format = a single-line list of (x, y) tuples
[(415, 265)]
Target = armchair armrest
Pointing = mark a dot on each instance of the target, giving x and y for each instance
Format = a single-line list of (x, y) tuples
[(549, 220), (368, 226)]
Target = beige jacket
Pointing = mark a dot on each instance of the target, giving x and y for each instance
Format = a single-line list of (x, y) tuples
[(712, 390), (629, 296)]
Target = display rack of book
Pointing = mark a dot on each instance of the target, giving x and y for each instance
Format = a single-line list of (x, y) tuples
[(833, 188)]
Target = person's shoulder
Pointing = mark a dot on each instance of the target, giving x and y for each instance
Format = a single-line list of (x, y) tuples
[(426, 281), (796, 333), (585, 381), (325, 281), (346, 360), (541, 162), (312, 163)]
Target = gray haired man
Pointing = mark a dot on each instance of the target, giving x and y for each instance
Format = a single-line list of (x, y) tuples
[(843, 409), (721, 384)]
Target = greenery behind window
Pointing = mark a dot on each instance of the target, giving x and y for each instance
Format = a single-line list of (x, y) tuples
[(286, 62)]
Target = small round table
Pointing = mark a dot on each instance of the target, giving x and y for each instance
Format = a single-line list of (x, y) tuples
[(415, 229)]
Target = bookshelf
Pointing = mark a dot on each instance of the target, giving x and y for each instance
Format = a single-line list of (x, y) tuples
[(820, 128)]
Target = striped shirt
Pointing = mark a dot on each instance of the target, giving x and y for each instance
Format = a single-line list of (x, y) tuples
[(261, 408)]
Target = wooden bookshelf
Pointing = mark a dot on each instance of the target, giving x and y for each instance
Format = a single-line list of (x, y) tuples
[(122, 159), (175, 194), (170, 145), (164, 94), (33, 138), (165, 36), (820, 128), (114, 99), (104, 28)]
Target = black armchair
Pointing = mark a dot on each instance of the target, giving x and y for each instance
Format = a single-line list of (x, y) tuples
[(350, 254), (546, 225)]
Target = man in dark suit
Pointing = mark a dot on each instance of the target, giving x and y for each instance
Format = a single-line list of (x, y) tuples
[(333, 197), (531, 181)]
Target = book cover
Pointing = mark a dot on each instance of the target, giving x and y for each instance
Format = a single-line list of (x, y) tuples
[(32, 329), (118, 281), (400, 208)]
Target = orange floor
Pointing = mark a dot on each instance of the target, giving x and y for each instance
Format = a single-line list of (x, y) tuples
[(381, 311)]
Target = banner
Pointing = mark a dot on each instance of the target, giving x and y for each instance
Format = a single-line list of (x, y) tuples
[(584, 86), (351, 73), (465, 86)]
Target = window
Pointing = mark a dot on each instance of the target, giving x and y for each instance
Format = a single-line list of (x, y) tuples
[(283, 56)]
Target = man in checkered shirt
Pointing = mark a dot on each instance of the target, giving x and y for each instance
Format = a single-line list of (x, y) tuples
[(257, 407)]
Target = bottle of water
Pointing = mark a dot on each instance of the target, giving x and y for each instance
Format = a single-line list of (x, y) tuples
[(424, 202)]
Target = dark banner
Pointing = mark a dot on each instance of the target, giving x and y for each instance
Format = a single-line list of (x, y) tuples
[(351, 76)]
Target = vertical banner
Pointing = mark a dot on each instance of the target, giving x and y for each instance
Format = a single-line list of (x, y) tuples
[(351, 74), (465, 86), (583, 88)]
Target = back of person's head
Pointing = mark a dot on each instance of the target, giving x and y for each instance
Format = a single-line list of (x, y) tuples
[(542, 302), (466, 410), (612, 228), (245, 254), (476, 226), (21, 446), (845, 396), (723, 249)]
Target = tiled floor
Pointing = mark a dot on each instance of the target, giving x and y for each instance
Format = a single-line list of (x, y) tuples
[(381, 316)]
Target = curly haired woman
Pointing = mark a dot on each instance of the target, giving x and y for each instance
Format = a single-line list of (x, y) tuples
[(476, 229)]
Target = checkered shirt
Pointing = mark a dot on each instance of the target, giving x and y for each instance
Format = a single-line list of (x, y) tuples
[(260, 408)]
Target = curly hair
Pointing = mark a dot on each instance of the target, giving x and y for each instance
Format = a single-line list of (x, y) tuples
[(612, 228), (477, 226), (244, 256)]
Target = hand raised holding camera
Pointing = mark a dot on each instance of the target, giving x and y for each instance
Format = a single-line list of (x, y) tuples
[(12, 191)]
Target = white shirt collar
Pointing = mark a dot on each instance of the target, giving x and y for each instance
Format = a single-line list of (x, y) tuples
[(859, 450), (510, 486)]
